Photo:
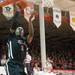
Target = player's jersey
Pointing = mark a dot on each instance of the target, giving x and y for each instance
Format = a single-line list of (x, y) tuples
[(16, 48)]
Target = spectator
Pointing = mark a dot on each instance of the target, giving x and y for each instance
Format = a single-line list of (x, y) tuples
[(3, 60), (28, 63)]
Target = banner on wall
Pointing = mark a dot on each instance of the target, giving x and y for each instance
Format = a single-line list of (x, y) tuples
[(57, 17), (72, 20), (28, 11), (8, 11)]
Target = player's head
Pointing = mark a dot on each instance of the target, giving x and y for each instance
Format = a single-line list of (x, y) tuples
[(13, 27), (19, 31)]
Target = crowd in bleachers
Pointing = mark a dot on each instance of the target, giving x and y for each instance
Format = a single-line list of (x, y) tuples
[(62, 59)]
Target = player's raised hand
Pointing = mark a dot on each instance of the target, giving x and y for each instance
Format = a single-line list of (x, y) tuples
[(31, 17)]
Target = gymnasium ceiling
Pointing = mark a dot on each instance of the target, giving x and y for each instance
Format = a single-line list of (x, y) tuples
[(68, 5)]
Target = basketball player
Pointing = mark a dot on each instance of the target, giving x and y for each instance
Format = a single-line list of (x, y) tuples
[(17, 48)]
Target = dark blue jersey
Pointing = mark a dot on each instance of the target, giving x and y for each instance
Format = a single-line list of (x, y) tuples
[(16, 48)]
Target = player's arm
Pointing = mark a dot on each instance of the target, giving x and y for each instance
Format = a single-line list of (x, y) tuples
[(30, 30)]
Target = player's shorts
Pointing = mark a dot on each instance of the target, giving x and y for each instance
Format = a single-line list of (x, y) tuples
[(13, 68)]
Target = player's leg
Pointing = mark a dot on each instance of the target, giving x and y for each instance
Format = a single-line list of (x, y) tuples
[(10, 69)]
